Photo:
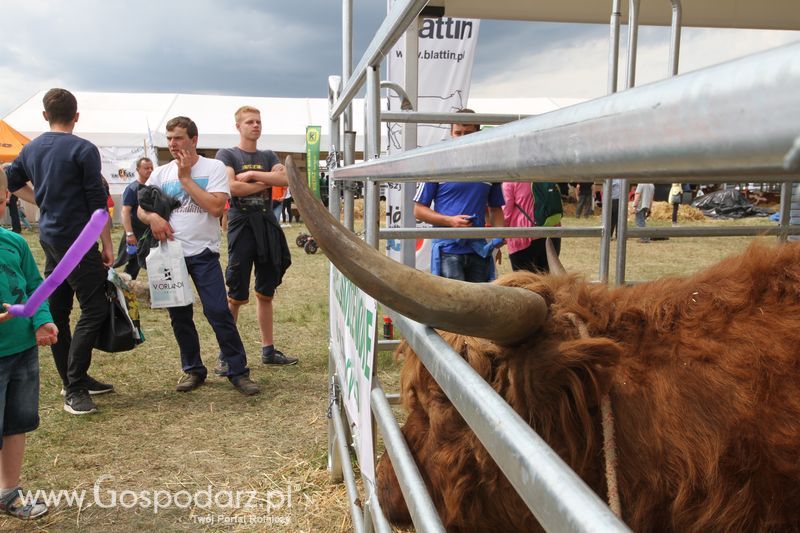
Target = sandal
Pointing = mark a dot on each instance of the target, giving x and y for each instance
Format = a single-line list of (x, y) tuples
[(14, 505)]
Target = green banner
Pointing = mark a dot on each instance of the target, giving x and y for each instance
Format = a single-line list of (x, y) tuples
[(313, 134)]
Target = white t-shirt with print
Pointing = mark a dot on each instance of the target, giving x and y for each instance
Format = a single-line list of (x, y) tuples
[(193, 226)]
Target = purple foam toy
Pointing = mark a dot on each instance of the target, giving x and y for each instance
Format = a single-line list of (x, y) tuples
[(85, 240)]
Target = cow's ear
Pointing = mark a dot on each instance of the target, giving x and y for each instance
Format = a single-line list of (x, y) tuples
[(589, 361)]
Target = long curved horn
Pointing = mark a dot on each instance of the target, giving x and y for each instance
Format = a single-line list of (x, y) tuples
[(553, 262), (506, 315)]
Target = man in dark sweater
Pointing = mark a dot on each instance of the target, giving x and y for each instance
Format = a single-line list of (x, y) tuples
[(67, 186)]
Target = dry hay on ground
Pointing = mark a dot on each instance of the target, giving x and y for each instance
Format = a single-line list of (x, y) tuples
[(663, 211)]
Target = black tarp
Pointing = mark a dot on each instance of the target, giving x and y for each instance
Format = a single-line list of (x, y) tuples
[(728, 204)]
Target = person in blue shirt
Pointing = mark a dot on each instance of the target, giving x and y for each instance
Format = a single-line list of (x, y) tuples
[(68, 187), (461, 205)]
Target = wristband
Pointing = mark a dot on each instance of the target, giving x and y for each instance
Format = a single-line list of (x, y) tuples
[(129, 234)]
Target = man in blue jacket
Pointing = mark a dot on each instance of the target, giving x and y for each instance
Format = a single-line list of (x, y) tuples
[(68, 187)]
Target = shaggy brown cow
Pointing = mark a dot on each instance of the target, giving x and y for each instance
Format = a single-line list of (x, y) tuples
[(702, 373)]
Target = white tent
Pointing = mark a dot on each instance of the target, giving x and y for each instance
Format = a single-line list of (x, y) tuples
[(122, 119)]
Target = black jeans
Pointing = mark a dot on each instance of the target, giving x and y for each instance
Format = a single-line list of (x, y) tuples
[(73, 351)]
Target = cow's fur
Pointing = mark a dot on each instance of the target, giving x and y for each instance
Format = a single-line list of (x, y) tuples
[(703, 375)]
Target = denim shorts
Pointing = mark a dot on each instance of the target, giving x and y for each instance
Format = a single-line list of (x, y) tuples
[(19, 393)]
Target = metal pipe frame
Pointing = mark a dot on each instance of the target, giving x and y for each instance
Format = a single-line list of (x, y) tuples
[(630, 81), (372, 150), (558, 498), (349, 157), (347, 60), (347, 470), (334, 460), (613, 47), (373, 508), (423, 117), (334, 201), (688, 126), (590, 231), (423, 512), (785, 210), (675, 38), (633, 42), (613, 74), (410, 137), (390, 30)]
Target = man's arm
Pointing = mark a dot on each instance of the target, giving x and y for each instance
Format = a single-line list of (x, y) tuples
[(159, 227), (276, 176), (426, 214), (242, 188), (26, 193), (213, 202), (496, 217)]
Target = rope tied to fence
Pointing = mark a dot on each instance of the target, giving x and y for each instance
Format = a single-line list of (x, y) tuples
[(609, 440)]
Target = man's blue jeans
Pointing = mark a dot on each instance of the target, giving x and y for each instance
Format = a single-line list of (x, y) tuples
[(206, 273), (466, 267)]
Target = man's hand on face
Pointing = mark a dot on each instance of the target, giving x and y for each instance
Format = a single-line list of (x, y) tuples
[(185, 160)]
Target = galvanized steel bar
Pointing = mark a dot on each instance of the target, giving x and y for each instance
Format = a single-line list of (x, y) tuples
[(334, 201), (410, 138), (388, 345), (373, 506), (422, 117), (347, 60), (423, 512), (558, 498), (393, 26), (613, 47), (349, 157), (633, 41), (334, 461), (785, 211), (488, 233), (675, 38), (372, 151), (688, 126), (347, 470), (605, 238)]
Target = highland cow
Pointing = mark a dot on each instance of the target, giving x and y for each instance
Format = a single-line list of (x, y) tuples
[(702, 374)]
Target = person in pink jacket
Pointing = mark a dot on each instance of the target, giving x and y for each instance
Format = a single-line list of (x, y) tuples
[(525, 253)]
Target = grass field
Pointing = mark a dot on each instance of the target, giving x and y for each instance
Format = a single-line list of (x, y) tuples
[(147, 437)]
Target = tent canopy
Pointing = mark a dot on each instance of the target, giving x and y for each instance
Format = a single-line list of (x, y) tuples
[(11, 142), (122, 119)]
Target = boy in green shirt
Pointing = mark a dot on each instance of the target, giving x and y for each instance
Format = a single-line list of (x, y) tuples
[(19, 363)]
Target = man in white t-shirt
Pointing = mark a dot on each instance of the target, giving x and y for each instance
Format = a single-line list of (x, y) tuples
[(201, 185)]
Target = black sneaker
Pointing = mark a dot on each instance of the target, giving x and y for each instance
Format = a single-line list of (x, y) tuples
[(189, 381), (79, 403), (95, 387), (246, 386), (276, 357)]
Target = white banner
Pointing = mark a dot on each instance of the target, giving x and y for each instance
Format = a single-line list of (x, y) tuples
[(446, 55), (353, 329), (119, 165)]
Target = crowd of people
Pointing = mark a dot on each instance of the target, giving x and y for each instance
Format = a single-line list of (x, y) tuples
[(61, 174)]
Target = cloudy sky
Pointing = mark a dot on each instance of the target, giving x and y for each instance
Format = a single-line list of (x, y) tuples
[(289, 47)]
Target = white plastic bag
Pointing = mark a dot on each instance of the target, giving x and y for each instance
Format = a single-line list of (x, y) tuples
[(168, 276)]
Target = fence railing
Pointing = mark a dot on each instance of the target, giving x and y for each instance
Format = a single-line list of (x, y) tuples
[(732, 120)]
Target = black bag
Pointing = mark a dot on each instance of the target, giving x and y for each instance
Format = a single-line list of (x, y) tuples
[(117, 334)]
